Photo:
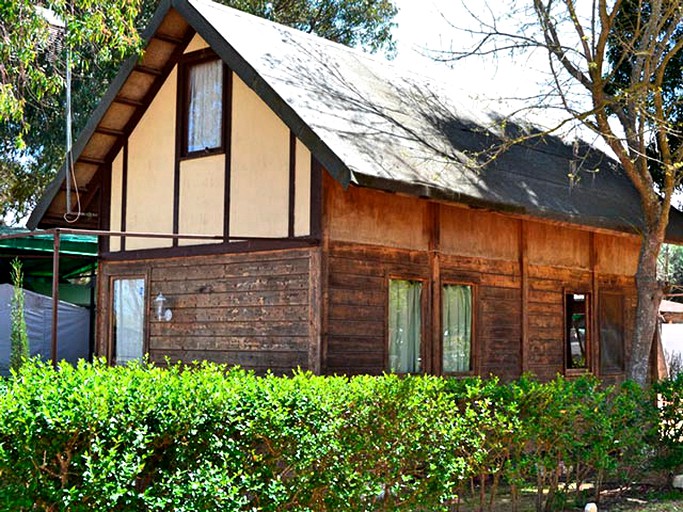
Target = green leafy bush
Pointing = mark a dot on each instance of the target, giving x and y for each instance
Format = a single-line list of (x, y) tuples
[(209, 438)]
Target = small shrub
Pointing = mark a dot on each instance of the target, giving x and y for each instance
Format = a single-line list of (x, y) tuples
[(19, 346)]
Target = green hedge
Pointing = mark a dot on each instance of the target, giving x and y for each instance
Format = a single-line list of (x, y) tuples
[(207, 438)]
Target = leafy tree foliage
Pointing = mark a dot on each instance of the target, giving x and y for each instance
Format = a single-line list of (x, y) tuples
[(627, 24), (101, 34), (32, 71)]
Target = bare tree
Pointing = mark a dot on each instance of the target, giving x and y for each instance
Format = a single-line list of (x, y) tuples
[(619, 54)]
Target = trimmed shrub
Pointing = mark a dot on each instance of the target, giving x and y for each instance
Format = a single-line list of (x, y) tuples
[(205, 437)]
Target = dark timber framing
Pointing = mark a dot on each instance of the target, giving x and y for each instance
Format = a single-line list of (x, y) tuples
[(292, 183), (227, 134), (124, 192), (315, 229)]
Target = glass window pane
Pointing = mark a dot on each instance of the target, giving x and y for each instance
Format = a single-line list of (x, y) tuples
[(611, 333), (128, 319), (576, 336), (205, 108), (405, 326), (457, 328)]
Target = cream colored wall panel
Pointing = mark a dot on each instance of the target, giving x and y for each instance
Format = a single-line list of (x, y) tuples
[(259, 170), (197, 43), (302, 191), (477, 233), (550, 244), (151, 159), (202, 192), (116, 196)]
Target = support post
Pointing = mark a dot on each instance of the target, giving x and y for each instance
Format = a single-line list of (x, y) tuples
[(524, 294), (55, 296)]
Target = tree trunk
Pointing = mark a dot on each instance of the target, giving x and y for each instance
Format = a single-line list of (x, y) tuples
[(649, 297)]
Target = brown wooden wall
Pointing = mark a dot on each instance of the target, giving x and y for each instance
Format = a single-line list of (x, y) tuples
[(520, 270), (258, 310)]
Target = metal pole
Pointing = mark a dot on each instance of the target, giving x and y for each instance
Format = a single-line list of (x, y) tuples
[(55, 296)]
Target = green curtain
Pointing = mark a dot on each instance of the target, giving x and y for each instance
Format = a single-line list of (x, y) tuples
[(457, 328), (404, 326)]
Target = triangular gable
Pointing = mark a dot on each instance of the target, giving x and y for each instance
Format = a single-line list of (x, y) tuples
[(174, 24)]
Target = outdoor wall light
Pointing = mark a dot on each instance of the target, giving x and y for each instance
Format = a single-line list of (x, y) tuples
[(163, 314)]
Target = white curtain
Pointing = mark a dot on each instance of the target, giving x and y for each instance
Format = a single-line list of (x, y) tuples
[(457, 328), (405, 326), (129, 319), (206, 106)]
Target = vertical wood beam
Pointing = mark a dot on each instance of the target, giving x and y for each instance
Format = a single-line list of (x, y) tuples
[(227, 144), (316, 199), (524, 294), (594, 340), (179, 140), (292, 183), (55, 296), (434, 347), (324, 276), (104, 219), (315, 311), (124, 193)]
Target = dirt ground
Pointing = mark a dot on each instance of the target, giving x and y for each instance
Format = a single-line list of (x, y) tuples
[(638, 499)]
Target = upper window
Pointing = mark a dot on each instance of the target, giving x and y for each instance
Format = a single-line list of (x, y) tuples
[(457, 328), (577, 330), (611, 317), (202, 103), (405, 326)]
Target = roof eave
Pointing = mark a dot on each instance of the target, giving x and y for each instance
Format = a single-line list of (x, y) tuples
[(95, 118)]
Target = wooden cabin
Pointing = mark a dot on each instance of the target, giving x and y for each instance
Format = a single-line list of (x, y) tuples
[(359, 223)]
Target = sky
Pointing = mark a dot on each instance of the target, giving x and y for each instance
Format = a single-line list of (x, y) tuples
[(428, 26), (425, 26)]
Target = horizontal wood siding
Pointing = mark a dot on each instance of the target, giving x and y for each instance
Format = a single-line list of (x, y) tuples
[(498, 312), (499, 332), (547, 286), (357, 277), (356, 287), (519, 269), (251, 309)]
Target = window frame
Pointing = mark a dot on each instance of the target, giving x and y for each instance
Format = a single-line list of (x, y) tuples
[(473, 329), (111, 343), (589, 331), (622, 296), (185, 65), (425, 295)]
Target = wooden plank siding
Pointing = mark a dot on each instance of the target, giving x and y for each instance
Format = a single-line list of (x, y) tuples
[(257, 310), (519, 268)]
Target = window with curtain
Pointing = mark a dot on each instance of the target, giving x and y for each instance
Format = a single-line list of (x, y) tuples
[(128, 320), (405, 326), (204, 121), (456, 319), (611, 319)]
